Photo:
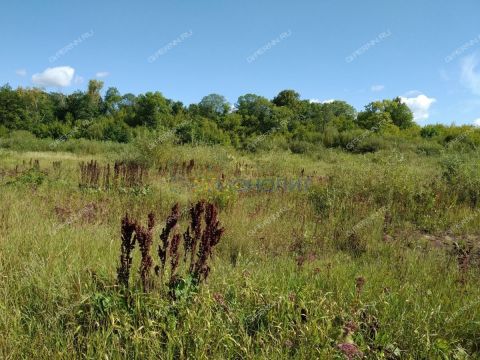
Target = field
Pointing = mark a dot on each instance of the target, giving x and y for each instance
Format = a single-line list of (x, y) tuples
[(329, 255)]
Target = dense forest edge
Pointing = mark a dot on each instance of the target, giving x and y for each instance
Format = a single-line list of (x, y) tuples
[(253, 124)]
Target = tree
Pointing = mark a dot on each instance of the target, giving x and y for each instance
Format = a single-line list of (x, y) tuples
[(401, 114), (38, 107), (150, 108), (177, 107), (341, 109), (94, 97), (112, 100), (80, 106), (393, 111), (289, 98), (213, 105), (94, 88), (12, 111), (255, 110), (253, 105), (59, 104), (373, 120)]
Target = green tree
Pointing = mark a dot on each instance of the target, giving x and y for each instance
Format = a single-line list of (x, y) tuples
[(213, 105), (289, 98), (401, 114), (150, 110), (112, 100), (12, 108), (386, 111)]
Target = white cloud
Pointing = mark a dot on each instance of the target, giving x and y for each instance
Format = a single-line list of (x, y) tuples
[(102, 74), (21, 72), (477, 122), (470, 73), (419, 105), (376, 88), (60, 76), (318, 101)]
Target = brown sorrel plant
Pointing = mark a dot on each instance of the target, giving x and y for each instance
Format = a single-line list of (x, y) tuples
[(124, 175), (210, 238), (171, 224), (145, 239), (203, 233), (128, 244)]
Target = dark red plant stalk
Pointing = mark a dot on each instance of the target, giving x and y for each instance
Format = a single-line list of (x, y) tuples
[(145, 240), (172, 221), (128, 243), (190, 244), (210, 238), (151, 221), (174, 255)]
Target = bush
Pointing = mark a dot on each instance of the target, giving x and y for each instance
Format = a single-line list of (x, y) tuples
[(301, 147), (430, 149), (430, 131), (3, 131)]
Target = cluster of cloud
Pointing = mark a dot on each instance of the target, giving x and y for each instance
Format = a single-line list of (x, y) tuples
[(60, 76), (476, 122), (420, 105)]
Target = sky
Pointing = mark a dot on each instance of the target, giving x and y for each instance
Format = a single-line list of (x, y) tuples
[(425, 51)]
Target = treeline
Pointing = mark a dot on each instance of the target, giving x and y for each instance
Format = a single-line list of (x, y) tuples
[(254, 122)]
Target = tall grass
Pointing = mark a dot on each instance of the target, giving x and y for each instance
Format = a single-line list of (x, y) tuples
[(371, 254)]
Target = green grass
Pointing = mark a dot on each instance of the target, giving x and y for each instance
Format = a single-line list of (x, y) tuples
[(283, 280)]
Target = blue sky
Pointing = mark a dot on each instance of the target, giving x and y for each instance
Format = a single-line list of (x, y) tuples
[(423, 50)]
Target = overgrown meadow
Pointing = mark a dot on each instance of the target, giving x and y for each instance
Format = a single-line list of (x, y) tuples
[(325, 255)]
